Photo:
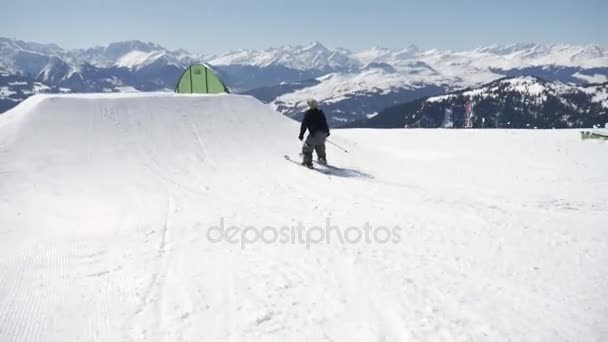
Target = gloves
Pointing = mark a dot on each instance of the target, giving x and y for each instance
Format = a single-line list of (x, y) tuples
[(300, 137)]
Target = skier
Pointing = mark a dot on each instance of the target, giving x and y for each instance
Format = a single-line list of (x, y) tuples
[(314, 121)]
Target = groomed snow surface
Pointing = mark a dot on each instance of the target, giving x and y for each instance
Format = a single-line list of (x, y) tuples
[(106, 202)]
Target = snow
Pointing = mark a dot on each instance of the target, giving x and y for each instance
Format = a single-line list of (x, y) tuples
[(6, 92), (375, 54), (384, 55), (17, 83), (40, 88), (473, 62), (601, 97), (106, 201), (138, 59), (127, 89), (521, 55), (338, 87), (529, 86), (600, 94), (440, 98), (596, 78), (483, 92), (312, 56)]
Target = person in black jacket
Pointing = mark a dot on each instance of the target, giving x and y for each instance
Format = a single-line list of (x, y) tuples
[(315, 122)]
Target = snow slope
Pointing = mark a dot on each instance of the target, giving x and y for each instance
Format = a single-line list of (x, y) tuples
[(106, 201), (338, 87)]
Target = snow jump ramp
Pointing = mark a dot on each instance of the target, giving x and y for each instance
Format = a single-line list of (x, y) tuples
[(106, 202)]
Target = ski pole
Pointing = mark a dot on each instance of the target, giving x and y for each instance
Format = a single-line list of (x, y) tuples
[(338, 146)]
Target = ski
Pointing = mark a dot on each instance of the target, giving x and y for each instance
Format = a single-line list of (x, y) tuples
[(288, 158)]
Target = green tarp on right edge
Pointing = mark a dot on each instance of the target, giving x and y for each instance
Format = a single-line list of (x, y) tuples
[(593, 135), (200, 79)]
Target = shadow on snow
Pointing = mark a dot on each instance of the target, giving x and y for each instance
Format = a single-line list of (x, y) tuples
[(342, 171)]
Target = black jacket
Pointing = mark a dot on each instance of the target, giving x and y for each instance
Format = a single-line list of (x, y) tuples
[(314, 120)]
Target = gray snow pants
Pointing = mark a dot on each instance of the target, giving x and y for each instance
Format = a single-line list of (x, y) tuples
[(314, 142)]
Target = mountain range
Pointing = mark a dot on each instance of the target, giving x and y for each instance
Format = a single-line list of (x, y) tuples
[(520, 102), (352, 85)]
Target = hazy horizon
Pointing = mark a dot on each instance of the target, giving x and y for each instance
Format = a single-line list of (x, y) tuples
[(93, 45), (354, 25)]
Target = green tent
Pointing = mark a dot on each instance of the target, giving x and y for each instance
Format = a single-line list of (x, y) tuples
[(200, 79)]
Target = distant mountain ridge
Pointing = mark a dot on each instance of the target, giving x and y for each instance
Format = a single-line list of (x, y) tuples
[(351, 85), (31, 58)]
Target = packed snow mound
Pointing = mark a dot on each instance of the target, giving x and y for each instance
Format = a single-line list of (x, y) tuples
[(108, 128), (107, 203)]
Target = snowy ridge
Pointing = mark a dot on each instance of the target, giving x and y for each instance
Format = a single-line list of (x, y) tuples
[(131, 54), (134, 54), (312, 56), (316, 55), (530, 86), (137, 59), (413, 68), (338, 87), (519, 102), (534, 54)]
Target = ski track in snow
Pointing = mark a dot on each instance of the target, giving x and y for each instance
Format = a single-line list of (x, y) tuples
[(105, 202), (154, 292)]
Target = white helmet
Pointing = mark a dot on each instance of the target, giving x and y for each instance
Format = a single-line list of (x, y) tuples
[(312, 103)]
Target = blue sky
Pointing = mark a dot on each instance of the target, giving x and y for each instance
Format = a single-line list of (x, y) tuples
[(216, 26)]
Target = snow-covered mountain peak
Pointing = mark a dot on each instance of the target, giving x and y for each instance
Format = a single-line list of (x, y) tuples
[(9, 44), (115, 51), (506, 49), (386, 55), (121, 48), (375, 54), (407, 52), (55, 70), (591, 51), (531, 85), (303, 57), (139, 59), (315, 47)]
